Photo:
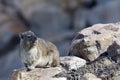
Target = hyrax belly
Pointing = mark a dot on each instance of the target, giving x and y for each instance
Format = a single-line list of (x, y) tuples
[(35, 58), (45, 62)]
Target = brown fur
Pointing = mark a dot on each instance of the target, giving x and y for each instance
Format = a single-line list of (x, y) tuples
[(39, 53)]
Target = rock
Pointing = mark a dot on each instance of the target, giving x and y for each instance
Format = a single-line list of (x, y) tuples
[(114, 49), (104, 68), (104, 77), (36, 74), (49, 78), (72, 62), (101, 69), (106, 62), (107, 12), (89, 76), (116, 78), (91, 42)]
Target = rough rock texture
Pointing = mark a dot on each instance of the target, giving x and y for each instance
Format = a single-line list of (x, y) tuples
[(114, 50), (116, 78), (35, 74), (72, 62), (104, 67), (91, 42), (89, 76)]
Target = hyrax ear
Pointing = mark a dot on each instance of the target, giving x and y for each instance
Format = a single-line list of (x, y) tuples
[(21, 35)]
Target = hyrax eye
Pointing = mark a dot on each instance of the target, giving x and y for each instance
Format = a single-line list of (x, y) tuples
[(29, 36)]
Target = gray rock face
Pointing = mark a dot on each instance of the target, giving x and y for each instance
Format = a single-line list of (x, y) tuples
[(91, 42), (72, 62), (116, 78)]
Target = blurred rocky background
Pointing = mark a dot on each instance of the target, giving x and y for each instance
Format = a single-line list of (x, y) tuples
[(55, 20)]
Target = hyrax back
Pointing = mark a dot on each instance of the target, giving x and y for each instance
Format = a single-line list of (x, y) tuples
[(36, 52)]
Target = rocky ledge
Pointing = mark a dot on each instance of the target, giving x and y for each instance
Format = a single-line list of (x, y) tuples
[(97, 51)]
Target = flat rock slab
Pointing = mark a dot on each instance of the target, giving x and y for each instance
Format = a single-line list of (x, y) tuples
[(36, 74), (72, 62)]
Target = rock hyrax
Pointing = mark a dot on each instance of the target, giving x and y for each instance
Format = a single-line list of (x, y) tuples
[(36, 52)]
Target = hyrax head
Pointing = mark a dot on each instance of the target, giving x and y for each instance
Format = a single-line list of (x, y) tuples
[(28, 36)]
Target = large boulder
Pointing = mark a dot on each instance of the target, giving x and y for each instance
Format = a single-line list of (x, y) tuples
[(91, 42)]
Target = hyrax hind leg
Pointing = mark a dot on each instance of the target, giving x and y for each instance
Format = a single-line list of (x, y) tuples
[(54, 58)]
